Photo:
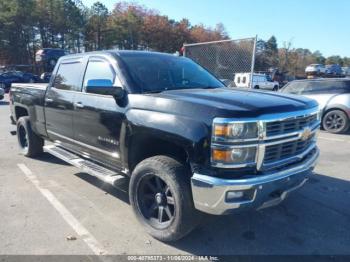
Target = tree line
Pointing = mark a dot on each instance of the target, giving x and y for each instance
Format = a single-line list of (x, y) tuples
[(290, 60), (29, 25)]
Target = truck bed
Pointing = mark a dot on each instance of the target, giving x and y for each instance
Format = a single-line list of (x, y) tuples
[(28, 100)]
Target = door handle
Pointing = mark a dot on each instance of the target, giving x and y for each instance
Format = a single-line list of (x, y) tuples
[(78, 105), (49, 100)]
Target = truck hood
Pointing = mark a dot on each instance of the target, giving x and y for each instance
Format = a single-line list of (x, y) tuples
[(241, 102)]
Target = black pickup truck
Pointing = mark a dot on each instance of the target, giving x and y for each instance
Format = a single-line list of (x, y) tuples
[(185, 143)]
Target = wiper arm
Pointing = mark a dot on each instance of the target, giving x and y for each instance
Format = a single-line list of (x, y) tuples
[(153, 91), (210, 87)]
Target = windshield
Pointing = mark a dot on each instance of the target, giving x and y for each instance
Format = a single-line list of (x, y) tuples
[(294, 87), (156, 73)]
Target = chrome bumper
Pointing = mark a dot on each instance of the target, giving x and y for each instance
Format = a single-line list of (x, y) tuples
[(214, 195)]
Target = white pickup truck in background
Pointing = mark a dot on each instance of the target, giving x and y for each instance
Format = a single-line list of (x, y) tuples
[(259, 81)]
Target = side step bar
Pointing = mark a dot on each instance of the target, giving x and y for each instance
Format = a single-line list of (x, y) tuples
[(86, 166)]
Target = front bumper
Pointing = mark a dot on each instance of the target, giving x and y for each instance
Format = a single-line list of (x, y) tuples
[(211, 195)]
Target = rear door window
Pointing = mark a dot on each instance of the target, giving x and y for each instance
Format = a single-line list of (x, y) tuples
[(68, 76)]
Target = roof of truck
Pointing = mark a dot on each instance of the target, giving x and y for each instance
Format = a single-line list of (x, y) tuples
[(119, 53)]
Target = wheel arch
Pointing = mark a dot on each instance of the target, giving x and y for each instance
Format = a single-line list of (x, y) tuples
[(340, 107), (20, 111), (144, 145)]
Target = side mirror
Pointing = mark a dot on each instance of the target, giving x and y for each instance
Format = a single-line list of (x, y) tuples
[(104, 87)]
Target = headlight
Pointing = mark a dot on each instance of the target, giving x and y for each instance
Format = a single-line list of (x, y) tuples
[(236, 130), (234, 156)]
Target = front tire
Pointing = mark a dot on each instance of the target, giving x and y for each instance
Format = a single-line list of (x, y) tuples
[(336, 122), (160, 194), (31, 144), (275, 88)]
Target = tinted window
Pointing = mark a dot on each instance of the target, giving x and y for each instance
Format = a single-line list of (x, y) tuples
[(99, 69), (68, 76), (244, 80), (318, 87), (154, 73), (327, 87)]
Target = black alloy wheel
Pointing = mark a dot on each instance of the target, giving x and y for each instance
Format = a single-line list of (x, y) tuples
[(156, 201), (160, 195), (23, 138), (30, 143)]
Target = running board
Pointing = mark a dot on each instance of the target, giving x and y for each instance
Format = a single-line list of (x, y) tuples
[(86, 166)]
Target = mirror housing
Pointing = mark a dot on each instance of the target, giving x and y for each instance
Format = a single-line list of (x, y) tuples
[(104, 87)]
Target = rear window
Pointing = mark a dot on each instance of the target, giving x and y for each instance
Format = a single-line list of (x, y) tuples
[(68, 76)]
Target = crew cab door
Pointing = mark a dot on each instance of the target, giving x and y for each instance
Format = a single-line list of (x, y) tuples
[(97, 119), (59, 99)]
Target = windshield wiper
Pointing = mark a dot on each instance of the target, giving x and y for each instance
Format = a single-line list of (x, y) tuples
[(152, 91), (210, 87)]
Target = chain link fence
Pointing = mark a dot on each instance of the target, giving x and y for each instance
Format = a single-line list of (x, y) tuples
[(224, 58)]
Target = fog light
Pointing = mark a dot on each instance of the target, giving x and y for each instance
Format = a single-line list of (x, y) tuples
[(234, 195)]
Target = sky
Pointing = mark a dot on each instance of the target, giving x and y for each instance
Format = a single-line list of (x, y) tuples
[(322, 25)]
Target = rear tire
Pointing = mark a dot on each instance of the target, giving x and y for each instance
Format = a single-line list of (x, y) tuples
[(160, 194), (256, 87), (275, 88), (31, 144), (336, 122)]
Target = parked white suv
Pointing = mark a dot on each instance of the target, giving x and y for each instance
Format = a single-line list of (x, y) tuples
[(317, 69), (259, 81)]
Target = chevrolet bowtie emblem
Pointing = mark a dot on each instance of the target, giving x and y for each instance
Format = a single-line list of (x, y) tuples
[(305, 134)]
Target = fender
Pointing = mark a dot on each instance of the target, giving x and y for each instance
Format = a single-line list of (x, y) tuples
[(188, 133)]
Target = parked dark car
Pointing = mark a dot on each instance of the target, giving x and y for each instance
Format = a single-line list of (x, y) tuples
[(48, 57), (184, 142), (333, 70), (333, 97), (9, 77)]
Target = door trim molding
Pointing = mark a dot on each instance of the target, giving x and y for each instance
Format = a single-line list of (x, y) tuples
[(112, 154)]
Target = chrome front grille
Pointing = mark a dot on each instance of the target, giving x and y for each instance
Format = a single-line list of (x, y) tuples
[(286, 150), (281, 127), (282, 139)]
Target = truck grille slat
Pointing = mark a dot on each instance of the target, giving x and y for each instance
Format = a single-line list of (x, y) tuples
[(285, 150), (288, 126)]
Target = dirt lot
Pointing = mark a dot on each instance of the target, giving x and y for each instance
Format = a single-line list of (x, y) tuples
[(45, 201)]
